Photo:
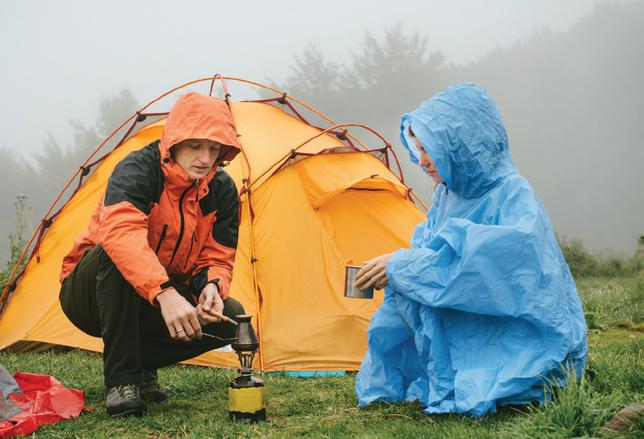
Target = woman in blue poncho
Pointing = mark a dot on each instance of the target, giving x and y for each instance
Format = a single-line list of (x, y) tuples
[(482, 310)]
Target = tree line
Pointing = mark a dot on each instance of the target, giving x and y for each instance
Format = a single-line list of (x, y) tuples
[(572, 103), (34, 182)]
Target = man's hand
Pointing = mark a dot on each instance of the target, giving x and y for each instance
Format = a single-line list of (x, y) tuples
[(180, 317), (209, 299), (374, 273)]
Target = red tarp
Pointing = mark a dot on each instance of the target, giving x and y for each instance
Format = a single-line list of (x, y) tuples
[(44, 401)]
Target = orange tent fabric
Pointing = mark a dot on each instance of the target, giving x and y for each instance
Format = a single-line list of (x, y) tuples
[(302, 220)]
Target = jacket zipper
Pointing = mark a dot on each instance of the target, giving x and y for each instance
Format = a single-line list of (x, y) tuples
[(176, 247), (163, 232), (192, 242)]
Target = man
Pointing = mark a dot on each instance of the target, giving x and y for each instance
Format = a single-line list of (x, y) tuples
[(482, 310), (157, 257)]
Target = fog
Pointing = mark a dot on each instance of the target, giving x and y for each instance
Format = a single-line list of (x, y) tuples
[(565, 76)]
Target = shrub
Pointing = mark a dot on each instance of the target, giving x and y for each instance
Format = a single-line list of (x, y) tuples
[(17, 240), (583, 263)]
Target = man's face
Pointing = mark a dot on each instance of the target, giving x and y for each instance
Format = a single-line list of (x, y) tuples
[(427, 163), (196, 156)]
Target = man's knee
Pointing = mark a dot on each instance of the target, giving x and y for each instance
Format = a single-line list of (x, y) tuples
[(103, 259), (232, 308), (92, 262)]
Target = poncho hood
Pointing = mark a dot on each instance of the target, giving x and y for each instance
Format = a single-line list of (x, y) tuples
[(461, 130)]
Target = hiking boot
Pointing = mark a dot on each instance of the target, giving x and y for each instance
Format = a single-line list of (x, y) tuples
[(151, 390), (124, 400)]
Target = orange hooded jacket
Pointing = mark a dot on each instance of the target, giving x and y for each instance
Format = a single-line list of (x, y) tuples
[(158, 223)]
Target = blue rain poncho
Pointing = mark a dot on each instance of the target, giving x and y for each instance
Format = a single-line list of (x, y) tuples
[(482, 310)]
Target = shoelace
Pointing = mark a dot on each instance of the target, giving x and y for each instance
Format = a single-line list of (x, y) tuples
[(127, 391)]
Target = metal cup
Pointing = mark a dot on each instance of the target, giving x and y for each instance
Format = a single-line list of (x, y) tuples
[(350, 290)]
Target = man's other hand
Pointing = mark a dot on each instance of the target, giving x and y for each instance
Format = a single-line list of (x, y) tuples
[(209, 300), (180, 317)]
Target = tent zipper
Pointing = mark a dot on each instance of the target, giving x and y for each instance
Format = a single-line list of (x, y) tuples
[(163, 232), (181, 227)]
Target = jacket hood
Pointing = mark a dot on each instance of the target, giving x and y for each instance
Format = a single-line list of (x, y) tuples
[(462, 132), (196, 116)]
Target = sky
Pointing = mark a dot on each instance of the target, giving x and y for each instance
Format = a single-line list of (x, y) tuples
[(60, 58)]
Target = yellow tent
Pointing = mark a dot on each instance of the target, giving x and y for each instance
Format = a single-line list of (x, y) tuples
[(312, 199)]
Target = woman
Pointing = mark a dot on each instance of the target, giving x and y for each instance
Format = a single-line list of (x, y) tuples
[(482, 310)]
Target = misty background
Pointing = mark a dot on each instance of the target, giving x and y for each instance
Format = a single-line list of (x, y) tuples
[(566, 77)]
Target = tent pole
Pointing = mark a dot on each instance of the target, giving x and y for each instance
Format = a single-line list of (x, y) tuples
[(253, 260)]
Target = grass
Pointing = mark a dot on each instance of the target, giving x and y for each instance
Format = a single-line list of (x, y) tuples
[(327, 407), (613, 302)]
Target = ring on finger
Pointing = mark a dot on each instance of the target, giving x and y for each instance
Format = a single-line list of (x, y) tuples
[(179, 330)]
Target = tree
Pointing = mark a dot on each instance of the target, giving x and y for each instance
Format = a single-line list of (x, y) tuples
[(45, 175), (312, 77), (113, 110), (385, 78), (42, 176), (10, 181), (392, 76)]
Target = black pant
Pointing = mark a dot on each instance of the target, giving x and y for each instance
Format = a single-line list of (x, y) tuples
[(100, 302)]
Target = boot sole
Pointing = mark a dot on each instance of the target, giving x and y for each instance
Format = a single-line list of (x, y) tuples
[(130, 408), (130, 412), (154, 398)]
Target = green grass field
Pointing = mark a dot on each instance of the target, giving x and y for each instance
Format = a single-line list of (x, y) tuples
[(327, 407)]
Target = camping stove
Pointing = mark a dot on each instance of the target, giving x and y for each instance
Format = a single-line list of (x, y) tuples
[(246, 393)]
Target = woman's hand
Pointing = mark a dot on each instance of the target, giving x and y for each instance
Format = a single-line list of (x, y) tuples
[(209, 299), (373, 273)]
